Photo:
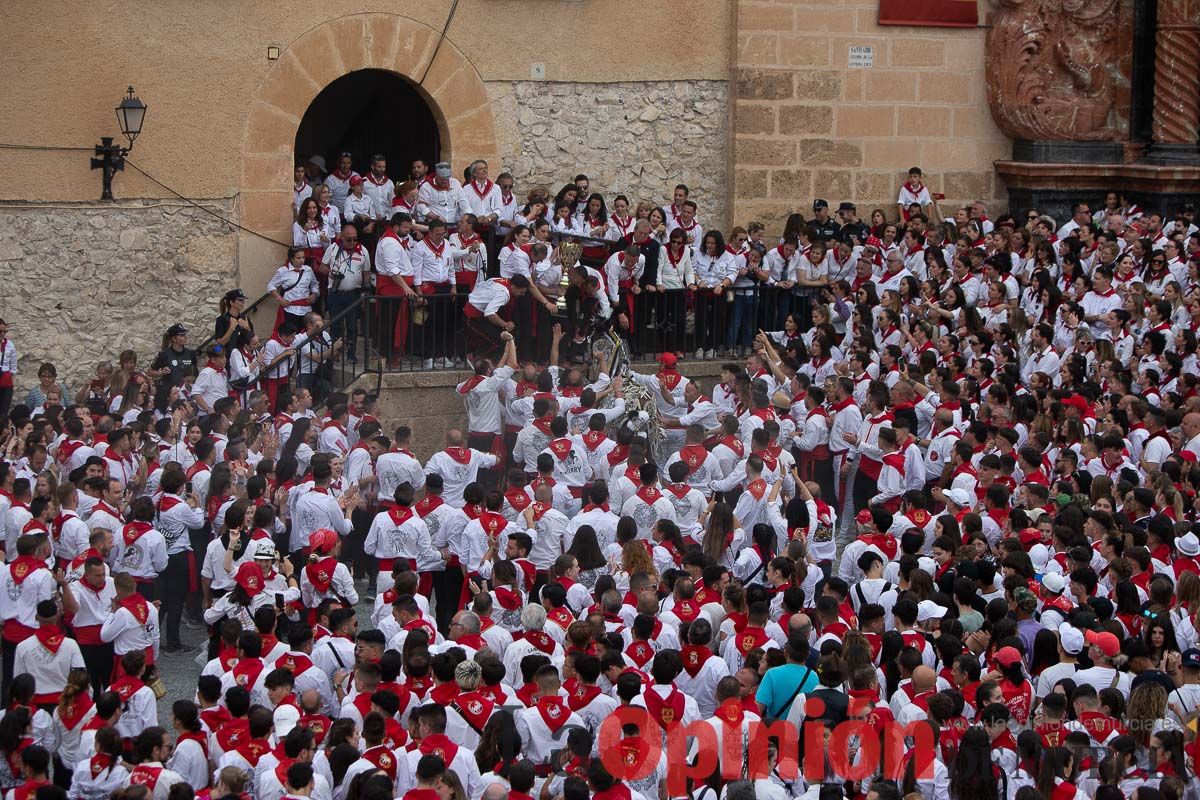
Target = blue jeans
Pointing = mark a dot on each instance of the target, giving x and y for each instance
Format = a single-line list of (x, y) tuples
[(740, 333)]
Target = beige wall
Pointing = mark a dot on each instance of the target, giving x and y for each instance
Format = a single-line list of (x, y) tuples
[(806, 125), (199, 65)]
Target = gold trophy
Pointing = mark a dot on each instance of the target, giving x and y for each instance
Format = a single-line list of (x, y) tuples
[(568, 257)]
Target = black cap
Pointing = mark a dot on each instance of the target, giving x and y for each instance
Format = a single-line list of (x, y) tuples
[(818, 204), (235, 294), (176, 330), (847, 206)]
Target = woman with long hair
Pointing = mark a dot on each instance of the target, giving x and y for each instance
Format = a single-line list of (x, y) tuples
[(1146, 713), (973, 776), (246, 597), (714, 269), (74, 711), (297, 447), (635, 558), (499, 745), (723, 535), (586, 550), (310, 231), (751, 564), (103, 773), (1056, 781)]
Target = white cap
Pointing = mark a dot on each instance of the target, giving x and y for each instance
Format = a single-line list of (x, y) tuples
[(1054, 582), (1071, 638), (318, 160), (960, 497), (1039, 554), (1188, 544), (927, 609), (264, 548)]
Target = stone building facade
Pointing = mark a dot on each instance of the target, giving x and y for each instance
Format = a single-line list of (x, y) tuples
[(752, 103)]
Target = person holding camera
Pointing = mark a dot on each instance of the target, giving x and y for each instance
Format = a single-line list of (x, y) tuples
[(347, 265)]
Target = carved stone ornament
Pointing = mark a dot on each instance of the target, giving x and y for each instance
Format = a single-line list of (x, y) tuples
[(1058, 70)]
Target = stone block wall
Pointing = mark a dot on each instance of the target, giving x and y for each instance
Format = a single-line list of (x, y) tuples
[(808, 125), (82, 283), (636, 138)]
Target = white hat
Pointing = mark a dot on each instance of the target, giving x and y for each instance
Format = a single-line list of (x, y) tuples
[(1054, 583), (1039, 554), (960, 497), (1188, 544), (264, 548), (1071, 638), (927, 609), (318, 160)]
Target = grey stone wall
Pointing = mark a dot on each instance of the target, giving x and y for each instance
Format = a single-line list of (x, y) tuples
[(637, 139), (82, 283)]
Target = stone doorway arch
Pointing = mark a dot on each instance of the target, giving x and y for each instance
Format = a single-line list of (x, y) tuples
[(451, 86)]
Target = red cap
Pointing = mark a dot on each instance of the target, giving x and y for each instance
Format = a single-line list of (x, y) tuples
[(668, 359), (864, 517), (322, 541), (1029, 537), (1007, 656), (1104, 640), (250, 578), (356, 180), (1078, 403)]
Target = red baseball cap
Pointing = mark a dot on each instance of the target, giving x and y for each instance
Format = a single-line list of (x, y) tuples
[(864, 517), (250, 578), (668, 359), (1007, 656), (322, 541), (1105, 641)]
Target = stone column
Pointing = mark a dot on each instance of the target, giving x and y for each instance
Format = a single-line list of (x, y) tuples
[(1176, 125)]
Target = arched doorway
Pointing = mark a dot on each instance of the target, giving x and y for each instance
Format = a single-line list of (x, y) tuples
[(366, 112)]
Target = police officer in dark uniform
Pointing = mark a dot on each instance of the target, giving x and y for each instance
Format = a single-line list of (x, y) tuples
[(176, 362), (822, 223), (851, 225)]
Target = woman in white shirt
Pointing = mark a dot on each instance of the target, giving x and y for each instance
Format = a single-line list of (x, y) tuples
[(309, 231), (675, 275), (620, 224), (565, 221), (331, 215), (514, 259), (715, 271)]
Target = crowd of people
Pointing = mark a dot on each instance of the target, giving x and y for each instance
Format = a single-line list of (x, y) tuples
[(948, 486)]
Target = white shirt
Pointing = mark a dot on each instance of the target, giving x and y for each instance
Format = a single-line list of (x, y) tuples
[(316, 509), (456, 474), (381, 191), (482, 400), (446, 204), (351, 264), (210, 385)]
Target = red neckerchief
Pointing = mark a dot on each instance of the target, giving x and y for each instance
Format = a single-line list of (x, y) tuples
[(439, 745), (126, 687), (649, 494), (320, 573), (670, 378), (75, 710), (553, 711), (50, 636), (666, 711), (482, 193), (561, 448), (136, 605), (541, 641), (694, 656)]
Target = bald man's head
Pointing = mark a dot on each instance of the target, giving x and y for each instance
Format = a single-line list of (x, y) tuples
[(924, 679)]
